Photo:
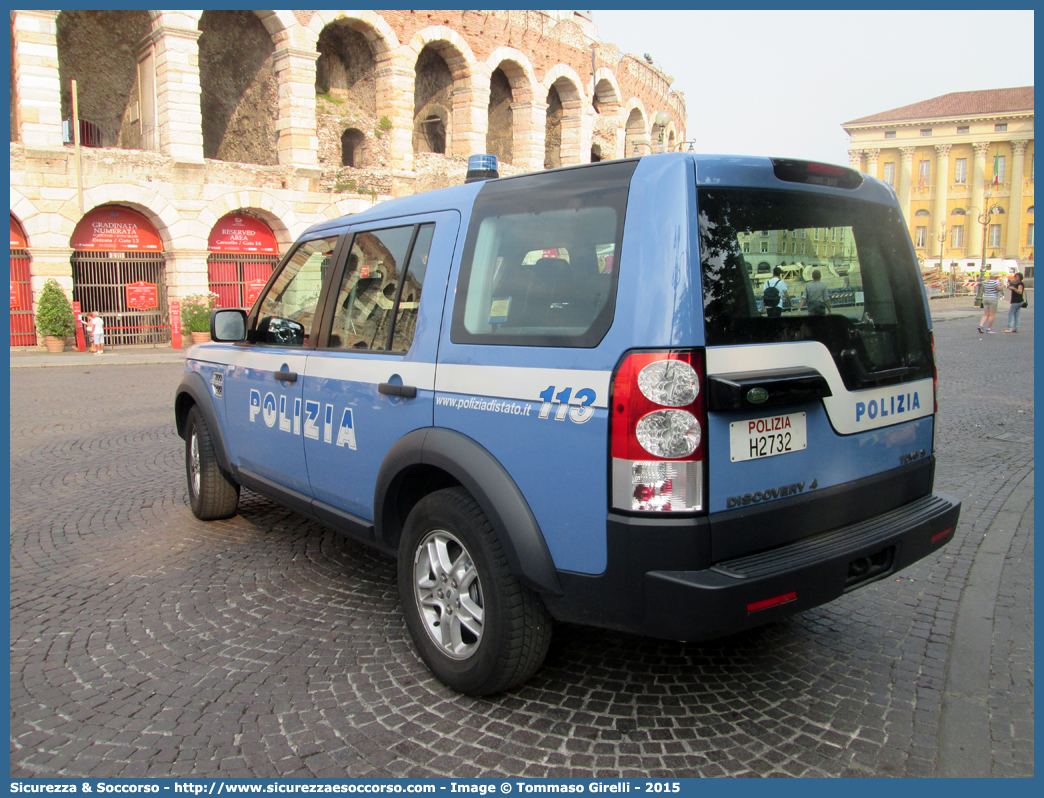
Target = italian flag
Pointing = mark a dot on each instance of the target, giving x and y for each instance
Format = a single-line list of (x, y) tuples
[(996, 169)]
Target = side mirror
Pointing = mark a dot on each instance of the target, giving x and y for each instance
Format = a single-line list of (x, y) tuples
[(228, 324)]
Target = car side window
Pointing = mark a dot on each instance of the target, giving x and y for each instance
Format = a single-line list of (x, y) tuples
[(410, 292), (287, 310), (377, 292), (542, 258)]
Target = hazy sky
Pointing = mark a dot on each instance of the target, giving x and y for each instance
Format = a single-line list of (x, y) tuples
[(781, 83)]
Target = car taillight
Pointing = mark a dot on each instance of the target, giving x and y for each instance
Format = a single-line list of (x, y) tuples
[(658, 431)]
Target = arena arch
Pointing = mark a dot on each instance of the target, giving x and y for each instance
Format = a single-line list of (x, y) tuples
[(100, 51), (509, 114), (279, 216), (239, 93), (607, 93), (370, 24), (443, 70), (157, 209), (279, 24), (115, 246), (564, 124), (636, 129)]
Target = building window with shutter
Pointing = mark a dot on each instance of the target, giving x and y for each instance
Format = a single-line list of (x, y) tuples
[(960, 171), (995, 235), (957, 236), (921, 237), (889, 173), (924, 174)]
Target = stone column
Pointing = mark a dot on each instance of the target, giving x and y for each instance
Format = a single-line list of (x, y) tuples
[(1015, 223), (395, 80), (572, 133), (50, 263), (179, 120), (855, 160), (906, 180), (37, 87), (942, 181), (186, 272), (527, 143), (974, 247), (470, 106), (297, 141), (871, 161)]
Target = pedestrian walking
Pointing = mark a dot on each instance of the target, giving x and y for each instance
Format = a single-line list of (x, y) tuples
[(817, 296), (775, 294), (1018, 302), (97, 328), (991, 294)]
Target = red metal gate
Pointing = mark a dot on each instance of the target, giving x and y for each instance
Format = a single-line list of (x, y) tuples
[(100, 281), (243, 252), (23, 322), (231, 276)]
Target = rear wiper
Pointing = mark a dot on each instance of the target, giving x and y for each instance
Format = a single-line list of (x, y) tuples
[(851, 360)]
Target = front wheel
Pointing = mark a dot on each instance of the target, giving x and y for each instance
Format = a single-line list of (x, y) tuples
[(211, 494), (474, 624)]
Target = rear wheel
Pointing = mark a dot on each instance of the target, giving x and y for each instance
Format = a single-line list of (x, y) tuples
[(211, 494), (474, 624)]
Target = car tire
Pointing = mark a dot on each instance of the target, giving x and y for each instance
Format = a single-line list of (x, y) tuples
[(477, 628), (212, 494)]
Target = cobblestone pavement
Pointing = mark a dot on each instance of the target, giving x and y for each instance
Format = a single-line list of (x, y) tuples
[(146, 643)]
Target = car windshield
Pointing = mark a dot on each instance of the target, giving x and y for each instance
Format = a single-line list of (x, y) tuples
[(843, 273)]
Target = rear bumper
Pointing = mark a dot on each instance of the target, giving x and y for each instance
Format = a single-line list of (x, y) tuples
[(701, 601), (725, 598)]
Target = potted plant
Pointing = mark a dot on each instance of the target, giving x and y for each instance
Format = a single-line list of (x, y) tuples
[(54, 316), (195, 315)]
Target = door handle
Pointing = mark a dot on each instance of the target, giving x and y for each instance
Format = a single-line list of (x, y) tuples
[(407, 391), (286, 376), (777, 387)]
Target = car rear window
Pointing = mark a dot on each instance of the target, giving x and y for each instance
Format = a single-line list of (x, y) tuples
[(541, 258), (875, 326)]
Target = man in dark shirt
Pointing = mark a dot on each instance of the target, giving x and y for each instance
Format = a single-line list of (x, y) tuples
[(817, 296)]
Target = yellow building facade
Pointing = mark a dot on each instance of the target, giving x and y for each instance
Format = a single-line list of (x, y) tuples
[(962, 167)]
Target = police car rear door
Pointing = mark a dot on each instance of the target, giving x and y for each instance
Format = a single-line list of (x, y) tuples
[(372, 379)]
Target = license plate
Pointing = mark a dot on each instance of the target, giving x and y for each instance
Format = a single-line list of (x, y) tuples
[(765, 437)]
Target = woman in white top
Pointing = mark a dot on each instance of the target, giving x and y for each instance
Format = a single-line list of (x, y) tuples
[(991, 291)]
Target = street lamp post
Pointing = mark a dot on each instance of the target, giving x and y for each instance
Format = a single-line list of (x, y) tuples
[(942, 268), (984, 219), (660, 122), (641, 143)]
